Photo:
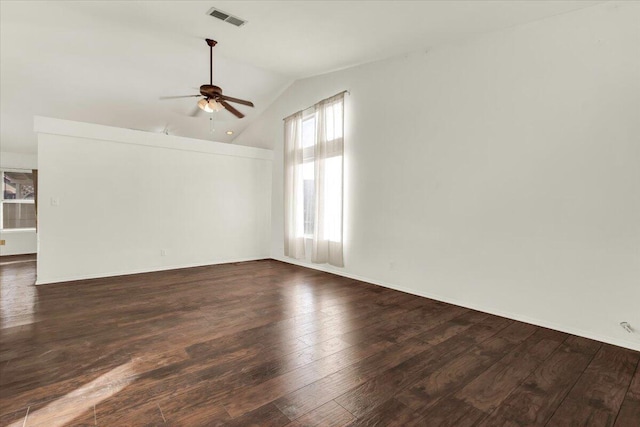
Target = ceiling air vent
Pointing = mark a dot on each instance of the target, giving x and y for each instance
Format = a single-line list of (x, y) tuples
[(224, 16)]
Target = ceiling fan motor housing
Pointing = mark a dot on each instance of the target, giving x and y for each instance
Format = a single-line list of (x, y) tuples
[(210, 91)]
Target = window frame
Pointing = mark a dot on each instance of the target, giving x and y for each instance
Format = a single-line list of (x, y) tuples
[(13, 201)]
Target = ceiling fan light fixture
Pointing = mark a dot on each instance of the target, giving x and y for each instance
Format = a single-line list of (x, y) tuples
[(204, 105), (214, 106)]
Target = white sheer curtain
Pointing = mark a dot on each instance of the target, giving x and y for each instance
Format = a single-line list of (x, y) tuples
[(328, 162), (293, 188), (324, 151)]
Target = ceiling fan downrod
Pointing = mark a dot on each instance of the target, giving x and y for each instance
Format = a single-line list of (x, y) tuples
[(211, 44)]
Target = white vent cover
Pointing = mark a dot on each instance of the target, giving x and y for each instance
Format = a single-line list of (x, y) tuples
[(224, 16)]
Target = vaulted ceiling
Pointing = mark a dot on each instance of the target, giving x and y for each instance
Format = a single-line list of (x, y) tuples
[(108, 62)]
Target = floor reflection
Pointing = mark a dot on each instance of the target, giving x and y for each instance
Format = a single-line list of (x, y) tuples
[(316, 330), (70, 406), (17, 291)]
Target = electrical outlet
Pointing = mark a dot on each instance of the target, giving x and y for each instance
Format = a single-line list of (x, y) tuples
[(55, 201), (163, 252)]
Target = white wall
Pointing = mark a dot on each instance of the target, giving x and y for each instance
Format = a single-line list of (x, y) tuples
[(10, 160), (18, 242), (124, 196), (501, 173)]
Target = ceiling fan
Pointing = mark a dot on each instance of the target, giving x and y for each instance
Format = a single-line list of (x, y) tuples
[(212, 97)]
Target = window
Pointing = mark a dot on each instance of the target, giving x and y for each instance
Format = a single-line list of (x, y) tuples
[(333, 178), (313, 181), (18, 200)]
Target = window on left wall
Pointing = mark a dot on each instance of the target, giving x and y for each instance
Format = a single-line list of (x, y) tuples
[(18, 200)]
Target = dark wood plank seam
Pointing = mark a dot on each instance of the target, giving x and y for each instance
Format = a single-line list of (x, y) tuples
[(488, 414), (472, 345), (334, 401), (615, 420), (161, 414), (26, 416), (573, 385), (305, 385), (467, 348), (461, 386), (270, 403), (366, 326), (3, 368), (429, 346)]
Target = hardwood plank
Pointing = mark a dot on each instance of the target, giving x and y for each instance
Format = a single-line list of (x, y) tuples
[(634, 387), (333, 386), (181, 413), (487, 391), (14, 418), (536, 399), (84, 419), (391, 382), (148, 414), (328, 415), (573, 413), (317, 393), (596, 397), (268, 391), (629, 413), (264, 416), (73, 405), (390, 414), (452, 412)]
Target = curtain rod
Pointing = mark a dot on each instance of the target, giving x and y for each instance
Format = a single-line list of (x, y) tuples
[(339, 93)]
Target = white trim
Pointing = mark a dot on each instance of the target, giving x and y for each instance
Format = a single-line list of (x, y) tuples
[(63, 279), (490, 310), (16, 230), (23, 170), (48, 125)]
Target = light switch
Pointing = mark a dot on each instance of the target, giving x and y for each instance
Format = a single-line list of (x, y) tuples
[(55, 201)]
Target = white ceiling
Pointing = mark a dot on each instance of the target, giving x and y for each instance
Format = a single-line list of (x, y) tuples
[(108, 62)]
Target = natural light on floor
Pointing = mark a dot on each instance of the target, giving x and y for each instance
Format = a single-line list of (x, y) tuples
[(65, 409)]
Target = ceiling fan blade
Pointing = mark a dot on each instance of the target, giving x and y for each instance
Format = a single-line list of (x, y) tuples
[(177, 97), (236, 100), (196, 112), (230, 109)]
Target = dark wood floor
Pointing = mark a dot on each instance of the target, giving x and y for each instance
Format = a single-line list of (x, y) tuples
[(271, 344)]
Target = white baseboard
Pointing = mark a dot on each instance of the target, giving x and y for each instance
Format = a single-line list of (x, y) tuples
[(490, 310), (49, 281), (29, 252)]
